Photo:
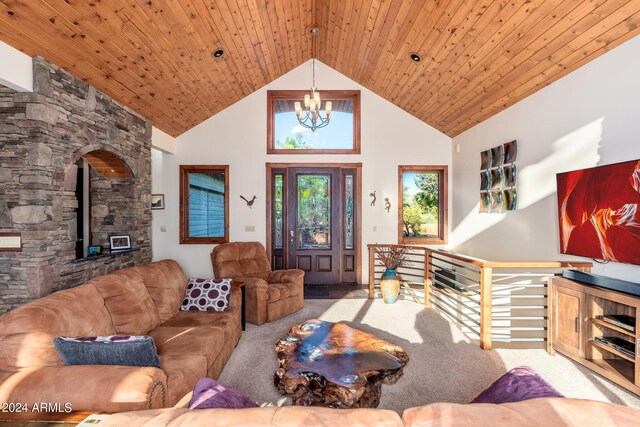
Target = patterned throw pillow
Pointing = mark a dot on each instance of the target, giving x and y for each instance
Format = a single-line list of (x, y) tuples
[(207, 295), (125, 350)]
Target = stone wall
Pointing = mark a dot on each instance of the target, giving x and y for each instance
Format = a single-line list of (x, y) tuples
[(42, 135)]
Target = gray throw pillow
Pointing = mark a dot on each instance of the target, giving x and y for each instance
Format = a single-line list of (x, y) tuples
[(123, 350)]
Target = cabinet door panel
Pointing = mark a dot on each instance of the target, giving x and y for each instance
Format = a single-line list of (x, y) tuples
[(568, 325)]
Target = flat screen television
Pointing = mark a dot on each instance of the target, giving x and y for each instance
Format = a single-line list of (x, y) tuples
[(599, 212)]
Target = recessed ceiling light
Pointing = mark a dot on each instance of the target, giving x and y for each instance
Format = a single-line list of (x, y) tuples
[(217, 53), (415, 57)]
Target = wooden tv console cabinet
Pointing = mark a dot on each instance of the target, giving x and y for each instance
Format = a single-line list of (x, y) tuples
[(573, 325)]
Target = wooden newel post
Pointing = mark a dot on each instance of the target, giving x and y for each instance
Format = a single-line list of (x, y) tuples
[(486, 274), (372, 272), (427, 278)]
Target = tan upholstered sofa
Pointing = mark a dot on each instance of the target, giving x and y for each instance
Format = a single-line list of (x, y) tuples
[(134, 301), (270, 295), (556, 412)]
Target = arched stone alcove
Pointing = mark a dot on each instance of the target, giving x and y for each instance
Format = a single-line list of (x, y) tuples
[(103, 192), (108, 164)]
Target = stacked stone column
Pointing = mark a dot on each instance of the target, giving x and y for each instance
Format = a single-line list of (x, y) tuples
[(42, 135)]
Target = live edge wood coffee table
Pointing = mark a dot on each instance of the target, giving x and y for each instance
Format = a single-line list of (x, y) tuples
[(333, 365)]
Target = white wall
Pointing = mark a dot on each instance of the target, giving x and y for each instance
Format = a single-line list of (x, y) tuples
[(590, 117), (237, 137), (16, 69), (163, 141)]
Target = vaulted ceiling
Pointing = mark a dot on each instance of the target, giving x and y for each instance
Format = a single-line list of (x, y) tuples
[(478, 57)]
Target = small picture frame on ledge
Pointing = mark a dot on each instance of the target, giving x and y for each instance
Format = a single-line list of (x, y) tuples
[(94, 250), (121, 242), (157, 201)]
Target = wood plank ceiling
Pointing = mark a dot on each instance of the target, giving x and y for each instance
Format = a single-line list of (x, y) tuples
[(479, 57)]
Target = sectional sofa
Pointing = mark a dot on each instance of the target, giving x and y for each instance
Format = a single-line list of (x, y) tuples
[(141, 300), (556, 412)]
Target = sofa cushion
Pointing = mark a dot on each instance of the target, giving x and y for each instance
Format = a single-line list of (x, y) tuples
[(27, 332), (182, 370), (224, 320), (521, 383), (210, 393), (122, 350), (273, 416), (546, 411), (165, 282), (202, 340), (131, 308), (206, 295)]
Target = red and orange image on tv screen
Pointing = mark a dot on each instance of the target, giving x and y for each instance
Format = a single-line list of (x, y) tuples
[(599, 212)]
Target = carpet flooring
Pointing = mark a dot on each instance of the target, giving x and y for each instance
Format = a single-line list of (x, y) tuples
[(444, 366)]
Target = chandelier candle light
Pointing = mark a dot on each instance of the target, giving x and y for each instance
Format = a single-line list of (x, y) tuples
[(311, 117)]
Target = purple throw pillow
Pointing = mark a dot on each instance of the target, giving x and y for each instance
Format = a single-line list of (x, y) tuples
[(206, 295), (521, 383), (210, 393)]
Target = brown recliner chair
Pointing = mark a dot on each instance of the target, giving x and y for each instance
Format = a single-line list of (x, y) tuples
[(269, 295)]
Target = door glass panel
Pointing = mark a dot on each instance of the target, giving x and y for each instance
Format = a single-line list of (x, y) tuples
[(278, 206), (348, 212), (314, 211)]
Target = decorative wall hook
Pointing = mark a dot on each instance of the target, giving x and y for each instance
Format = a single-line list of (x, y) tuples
[(373, 202), (249, 202), (387, 204)]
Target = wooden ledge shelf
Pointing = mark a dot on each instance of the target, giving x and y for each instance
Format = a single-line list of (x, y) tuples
[(103, 255)]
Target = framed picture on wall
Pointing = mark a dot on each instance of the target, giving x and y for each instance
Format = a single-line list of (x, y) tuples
[(121, 242)]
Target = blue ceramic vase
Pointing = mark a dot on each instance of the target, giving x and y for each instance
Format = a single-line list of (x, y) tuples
[(390, 286)]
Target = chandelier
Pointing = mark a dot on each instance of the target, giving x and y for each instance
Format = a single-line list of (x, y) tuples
[(311, 117)]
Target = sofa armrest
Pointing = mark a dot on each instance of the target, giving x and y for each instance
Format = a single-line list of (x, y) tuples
[(256, 299), (286, 276), (255, 284), (235, 301), (95, 388)]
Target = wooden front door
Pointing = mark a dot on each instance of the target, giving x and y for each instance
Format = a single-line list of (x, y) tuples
[(314, 222)]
